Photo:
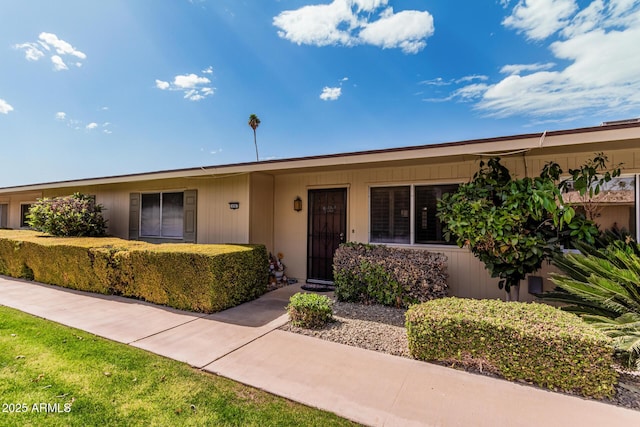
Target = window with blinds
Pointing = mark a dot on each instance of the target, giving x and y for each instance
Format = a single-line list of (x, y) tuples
[(390, 214), (393, 218)]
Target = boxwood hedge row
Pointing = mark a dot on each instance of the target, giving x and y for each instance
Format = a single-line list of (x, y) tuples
[(531, 342), (203, 278)]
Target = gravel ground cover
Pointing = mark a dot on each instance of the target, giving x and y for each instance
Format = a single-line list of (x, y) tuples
[(380, 328)]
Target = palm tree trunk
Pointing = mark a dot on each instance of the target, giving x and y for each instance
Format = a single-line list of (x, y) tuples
[(255, 143)]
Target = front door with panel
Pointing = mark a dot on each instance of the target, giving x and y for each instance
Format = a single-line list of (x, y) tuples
[(326, 230)]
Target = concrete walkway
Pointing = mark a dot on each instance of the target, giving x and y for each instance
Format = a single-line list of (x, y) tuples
[(244, 344)]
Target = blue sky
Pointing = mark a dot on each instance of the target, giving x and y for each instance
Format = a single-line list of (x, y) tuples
[(92, 89)]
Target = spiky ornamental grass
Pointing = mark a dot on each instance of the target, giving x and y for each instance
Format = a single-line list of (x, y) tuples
[(603, 287)]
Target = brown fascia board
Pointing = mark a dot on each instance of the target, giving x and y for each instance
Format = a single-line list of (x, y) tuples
[(496, 145)]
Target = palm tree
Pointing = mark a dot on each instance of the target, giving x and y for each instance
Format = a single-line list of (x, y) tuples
[(254, 122)]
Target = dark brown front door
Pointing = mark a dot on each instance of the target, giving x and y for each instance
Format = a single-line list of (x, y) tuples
[(327, 229)]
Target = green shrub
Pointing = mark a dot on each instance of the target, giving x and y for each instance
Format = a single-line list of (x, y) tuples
[(390, 276), (76, 215), (531, 342), (309, 310), (204, 278)]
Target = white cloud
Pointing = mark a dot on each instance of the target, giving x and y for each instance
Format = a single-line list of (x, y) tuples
[(471, 91), (538, 19), (162, 85), (319, 25), (407, 30), (438, 81), (369, 5), (194, 87), (58, 63), (61, 46), (78, 125), (31, 51), (50, 44), (5, 108), (188, 81), (602, 75), (350, 23), (472, 78), (519, 68), (331, 93), (208, 70)]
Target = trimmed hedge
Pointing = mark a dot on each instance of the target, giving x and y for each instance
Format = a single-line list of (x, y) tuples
[(386, 275), (310, 310), (532, 342), (203, 278)]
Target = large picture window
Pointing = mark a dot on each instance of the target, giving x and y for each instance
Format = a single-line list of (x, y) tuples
[(407, 214), (161, 215)]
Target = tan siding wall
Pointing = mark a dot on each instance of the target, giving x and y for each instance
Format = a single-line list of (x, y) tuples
[(14, 202), (288, 234), (261, 210), (216, 222), (468, 277)]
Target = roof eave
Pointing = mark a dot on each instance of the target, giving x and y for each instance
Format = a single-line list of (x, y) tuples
[(496, 145)]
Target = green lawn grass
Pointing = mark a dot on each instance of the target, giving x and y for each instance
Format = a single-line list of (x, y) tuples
[(59, 376)]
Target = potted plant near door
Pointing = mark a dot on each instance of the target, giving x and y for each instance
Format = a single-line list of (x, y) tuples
[(277, 277)]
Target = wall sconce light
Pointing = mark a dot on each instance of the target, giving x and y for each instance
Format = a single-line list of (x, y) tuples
[(234, 205), (297, 204)]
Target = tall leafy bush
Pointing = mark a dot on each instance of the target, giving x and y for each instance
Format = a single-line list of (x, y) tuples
[(513, 225), (77, 215)]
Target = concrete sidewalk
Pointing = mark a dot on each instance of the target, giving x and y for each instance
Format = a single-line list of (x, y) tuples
[(372, 388)]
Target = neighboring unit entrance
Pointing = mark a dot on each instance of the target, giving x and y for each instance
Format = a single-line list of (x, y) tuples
[(326, 230)]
